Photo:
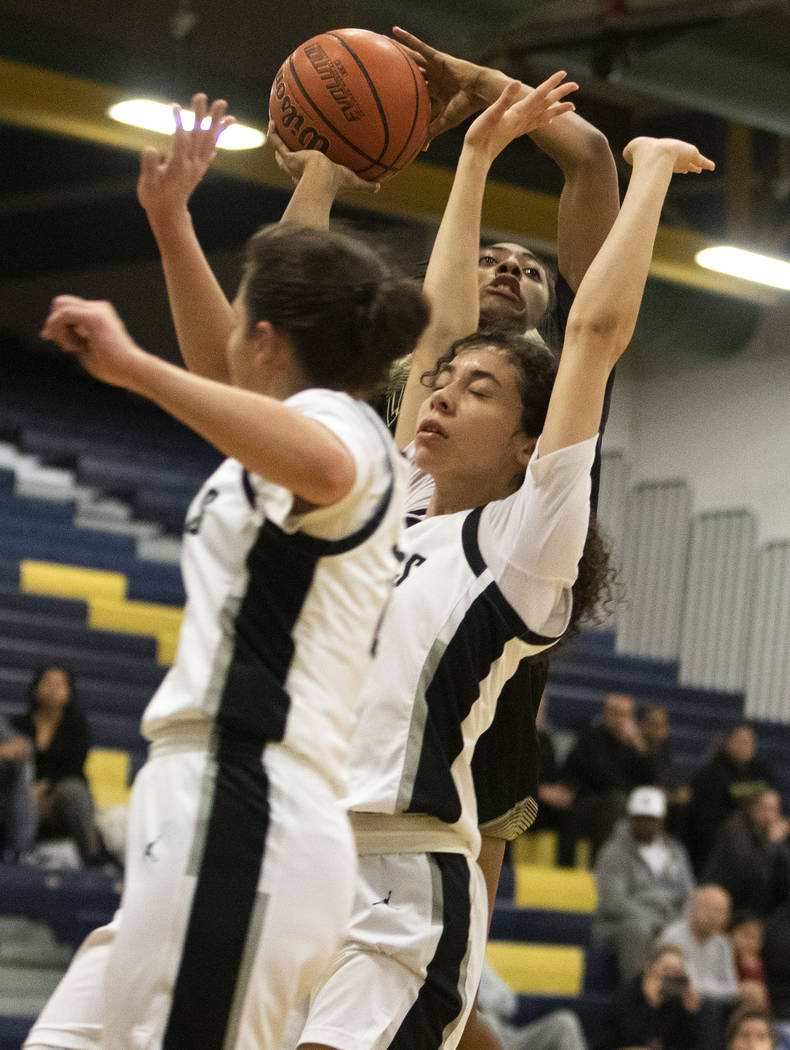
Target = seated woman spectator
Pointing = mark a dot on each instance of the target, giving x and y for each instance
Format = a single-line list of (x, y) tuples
[(746, 934), (60, 738), (18, 813)]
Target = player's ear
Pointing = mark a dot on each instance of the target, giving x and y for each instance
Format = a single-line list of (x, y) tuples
[(524, 448), (266, 342)]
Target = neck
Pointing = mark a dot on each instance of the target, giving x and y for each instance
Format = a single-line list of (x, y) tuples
[(451, 495), (48, 713)]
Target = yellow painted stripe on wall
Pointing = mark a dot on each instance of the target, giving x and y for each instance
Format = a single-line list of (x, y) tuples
[(538, 969), (70, 581), (562, 889)]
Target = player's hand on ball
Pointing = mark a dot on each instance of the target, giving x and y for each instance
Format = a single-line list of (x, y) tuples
[(685, 157), (518, 111), (452, 83), (166, 183), (95, 334), (294, 163)]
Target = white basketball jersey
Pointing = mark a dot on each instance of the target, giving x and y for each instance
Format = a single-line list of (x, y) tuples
[(281, 609), (476, 592)]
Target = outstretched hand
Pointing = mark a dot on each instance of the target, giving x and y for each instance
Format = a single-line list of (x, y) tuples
[(511, 116), (685, 157), (95, 334), (453, 83), (166, 183), (294, 163)]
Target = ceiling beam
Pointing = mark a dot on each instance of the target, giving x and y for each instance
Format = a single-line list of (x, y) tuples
[(63, 105)]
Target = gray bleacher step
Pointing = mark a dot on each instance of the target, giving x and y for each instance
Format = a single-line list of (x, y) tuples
[(28, 944), (160, 548)]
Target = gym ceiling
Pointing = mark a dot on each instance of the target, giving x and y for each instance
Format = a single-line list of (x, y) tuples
[(716, 72)]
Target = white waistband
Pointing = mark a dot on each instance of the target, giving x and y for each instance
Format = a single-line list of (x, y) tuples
[(405, 833), (183, 736)]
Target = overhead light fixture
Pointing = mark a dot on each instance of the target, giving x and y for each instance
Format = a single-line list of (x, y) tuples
[(158, 116), (749, 265)]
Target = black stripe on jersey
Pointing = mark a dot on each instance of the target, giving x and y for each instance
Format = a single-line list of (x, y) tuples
[(215, 942), (281, 568), (254, 700), (477, 643), (439, 1001), (478, 566), (505, 762), (249, 491)]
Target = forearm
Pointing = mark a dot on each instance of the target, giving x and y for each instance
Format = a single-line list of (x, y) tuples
[(451, 278), (450, 283), (314, 194), (202, 315), (607, 304), (268, 437)]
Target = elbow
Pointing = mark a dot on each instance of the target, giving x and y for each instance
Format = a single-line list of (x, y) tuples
[(331, 481), (593, 152), (604, 333)]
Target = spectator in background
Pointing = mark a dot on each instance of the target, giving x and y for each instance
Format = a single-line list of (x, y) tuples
[(776, 958), (746, 935), (60, 739), (657, 1008), (18, 812), (606, 763), (751, 857), (734, 773), (555, 798), (644, 880), (655, 730), (498, 1005), (709, 959), (750, 1028)]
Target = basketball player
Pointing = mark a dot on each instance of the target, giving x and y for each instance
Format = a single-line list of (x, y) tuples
[(240, 859), (516, 290), (462, 616)]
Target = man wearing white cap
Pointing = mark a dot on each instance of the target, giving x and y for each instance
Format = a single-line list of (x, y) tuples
[(644, 879)]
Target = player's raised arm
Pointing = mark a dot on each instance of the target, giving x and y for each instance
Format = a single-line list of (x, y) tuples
[(317, 181), (201, 313), (604, 314), (589, 201), (268, 437), (451, 280)]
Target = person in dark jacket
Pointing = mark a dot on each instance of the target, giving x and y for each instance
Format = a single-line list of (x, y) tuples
[(657, 1009), (733, 774), (61, 739), (607, 762), (751, 856)]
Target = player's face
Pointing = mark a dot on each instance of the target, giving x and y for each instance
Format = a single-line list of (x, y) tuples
[(513, 287), (469, 427), (239, 350)]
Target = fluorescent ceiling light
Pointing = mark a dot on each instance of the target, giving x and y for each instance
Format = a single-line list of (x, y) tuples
[(158, 116), (749, 265)]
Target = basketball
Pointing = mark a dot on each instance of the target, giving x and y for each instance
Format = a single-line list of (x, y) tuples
[(355, 95)]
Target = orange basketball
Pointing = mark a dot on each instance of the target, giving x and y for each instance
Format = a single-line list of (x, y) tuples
[(356, 96)]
